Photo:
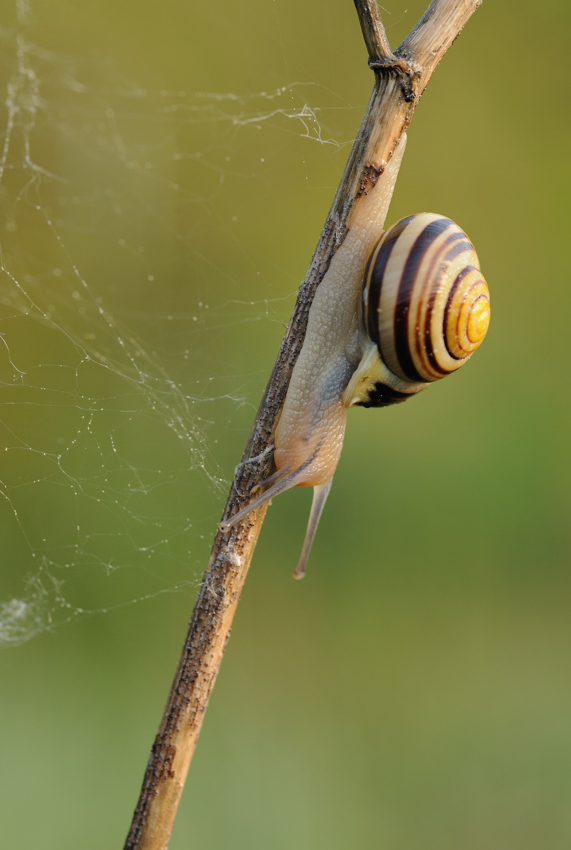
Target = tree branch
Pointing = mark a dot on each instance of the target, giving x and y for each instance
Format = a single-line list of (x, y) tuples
[(400, 79)]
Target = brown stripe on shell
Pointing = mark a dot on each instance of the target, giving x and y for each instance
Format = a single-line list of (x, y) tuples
[(457, 249), (409, 277), (374, 278)]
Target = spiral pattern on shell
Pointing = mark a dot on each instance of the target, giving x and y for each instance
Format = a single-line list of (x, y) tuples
[(425, 303)]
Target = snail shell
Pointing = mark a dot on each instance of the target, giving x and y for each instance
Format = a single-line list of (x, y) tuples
[(425, 309)]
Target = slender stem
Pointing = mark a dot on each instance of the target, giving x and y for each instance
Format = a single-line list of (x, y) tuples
[(374, 32), (400, 79)]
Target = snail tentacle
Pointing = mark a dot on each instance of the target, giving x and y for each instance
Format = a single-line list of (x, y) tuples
[(285, 481), (320, 494)]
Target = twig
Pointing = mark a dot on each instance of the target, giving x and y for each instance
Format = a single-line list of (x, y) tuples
[(374, 32), (400, 79)]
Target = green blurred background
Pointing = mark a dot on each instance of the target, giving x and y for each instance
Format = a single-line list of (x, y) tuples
[(168, 170)]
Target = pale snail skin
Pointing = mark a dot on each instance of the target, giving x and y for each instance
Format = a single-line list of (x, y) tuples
[(339, 364)]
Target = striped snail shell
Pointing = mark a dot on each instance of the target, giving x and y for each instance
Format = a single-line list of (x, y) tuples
[(425, 309)]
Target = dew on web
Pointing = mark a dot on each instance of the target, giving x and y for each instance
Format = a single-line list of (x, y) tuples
[(110, 377)]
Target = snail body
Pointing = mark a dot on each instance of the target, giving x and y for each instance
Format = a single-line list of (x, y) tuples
[(392, 314), (312, 423)]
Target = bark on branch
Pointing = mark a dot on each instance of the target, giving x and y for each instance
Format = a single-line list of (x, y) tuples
[(400, 79)]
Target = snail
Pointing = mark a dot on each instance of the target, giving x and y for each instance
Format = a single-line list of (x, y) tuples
[(393, 313)]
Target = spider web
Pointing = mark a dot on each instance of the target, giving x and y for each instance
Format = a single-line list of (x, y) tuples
[(109, 193)]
